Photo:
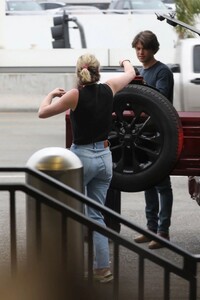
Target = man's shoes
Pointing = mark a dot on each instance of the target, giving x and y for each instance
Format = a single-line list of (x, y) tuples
[(153, 244), (156, 245), (142, 239)]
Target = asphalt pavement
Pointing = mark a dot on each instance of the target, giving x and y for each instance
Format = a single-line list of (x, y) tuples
[(23, 133)]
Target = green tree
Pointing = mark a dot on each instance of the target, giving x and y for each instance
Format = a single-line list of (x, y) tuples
[(186, 11)]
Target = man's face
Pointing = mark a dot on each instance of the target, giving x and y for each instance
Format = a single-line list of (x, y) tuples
[(144, 55)]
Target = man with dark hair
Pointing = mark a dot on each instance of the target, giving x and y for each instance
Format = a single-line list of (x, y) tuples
[(159, 76)]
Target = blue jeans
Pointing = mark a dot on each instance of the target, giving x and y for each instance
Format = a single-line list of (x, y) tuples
[(159, 220), (97, 169)]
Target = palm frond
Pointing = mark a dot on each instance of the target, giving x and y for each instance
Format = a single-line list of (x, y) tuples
[(186, 11)]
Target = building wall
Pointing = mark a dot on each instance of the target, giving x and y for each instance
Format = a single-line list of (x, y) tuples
[(28, 43)]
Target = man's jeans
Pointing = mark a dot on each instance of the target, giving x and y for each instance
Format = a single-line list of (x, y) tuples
[(97, 168), (159, 220)]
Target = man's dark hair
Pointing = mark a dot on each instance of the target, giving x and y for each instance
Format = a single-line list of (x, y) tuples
[(148, 40)]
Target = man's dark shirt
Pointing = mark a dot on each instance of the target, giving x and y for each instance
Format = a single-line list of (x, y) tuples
[(160, 77)]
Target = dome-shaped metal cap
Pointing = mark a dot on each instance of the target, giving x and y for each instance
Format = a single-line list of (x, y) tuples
[(54, 159)]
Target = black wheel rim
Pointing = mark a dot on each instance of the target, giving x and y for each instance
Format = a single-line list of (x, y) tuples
[(136, 139)]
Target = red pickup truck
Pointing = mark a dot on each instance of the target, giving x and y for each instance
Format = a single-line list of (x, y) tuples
[(150, 139)]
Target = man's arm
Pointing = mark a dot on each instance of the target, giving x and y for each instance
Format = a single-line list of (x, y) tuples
[(165, 83)]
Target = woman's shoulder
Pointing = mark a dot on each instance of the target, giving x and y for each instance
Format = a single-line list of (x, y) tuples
[(73, 92)]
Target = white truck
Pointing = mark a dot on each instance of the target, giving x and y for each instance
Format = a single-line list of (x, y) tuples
[(187, 75)]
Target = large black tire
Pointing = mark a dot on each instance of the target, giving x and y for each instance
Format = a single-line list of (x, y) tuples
[(146, 138)]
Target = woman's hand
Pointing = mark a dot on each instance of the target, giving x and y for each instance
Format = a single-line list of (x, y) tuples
[(58, 92), (121, 62)]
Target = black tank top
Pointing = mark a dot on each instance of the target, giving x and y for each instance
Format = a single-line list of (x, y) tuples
[(92, 119)]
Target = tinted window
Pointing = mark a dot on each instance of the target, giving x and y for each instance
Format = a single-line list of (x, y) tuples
[(147, 4), (137, 4), (51, 5), (117, 4), (126, 5), (23, 6), (169, 1), (196, 62)]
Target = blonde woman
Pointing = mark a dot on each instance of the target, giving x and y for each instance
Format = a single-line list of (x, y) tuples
[(91, 105)]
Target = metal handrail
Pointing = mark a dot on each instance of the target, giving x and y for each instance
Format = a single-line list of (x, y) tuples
[(188, 270)]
